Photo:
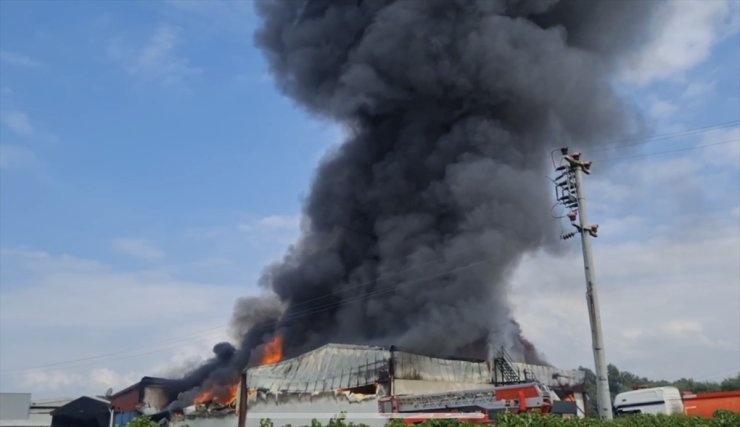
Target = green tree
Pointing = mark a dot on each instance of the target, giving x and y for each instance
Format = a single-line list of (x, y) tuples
[(732, 383), (689, 384), (621, 381), (590, 380)]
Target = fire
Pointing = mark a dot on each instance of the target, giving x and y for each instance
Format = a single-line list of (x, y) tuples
[(221, 394), (233, 389), (205, 397), (273, 351)]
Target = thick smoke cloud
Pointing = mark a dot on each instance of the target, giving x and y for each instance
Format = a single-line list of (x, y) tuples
[(414, 224), (254, 319), (450, 106)]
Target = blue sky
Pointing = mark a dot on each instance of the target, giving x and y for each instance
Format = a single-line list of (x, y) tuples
[(146, 120), (150, 169)]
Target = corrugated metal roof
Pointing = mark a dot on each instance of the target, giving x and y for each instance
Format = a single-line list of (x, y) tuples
[(336, 366), (148, 382), (325, 369), (44, 403), (553, 377), (417, 367)]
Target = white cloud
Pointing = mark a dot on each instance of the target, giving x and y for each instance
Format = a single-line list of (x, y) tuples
[(726, 152), (272, 223), (156, 60), (18, 122), (698, 90), (669, 306), (14, 58), (666, 268), (103, 378), (138, 248), (235, 18), (124, 325), (97, 380), (271, 235), (80, 292), (660, 109), (51, 380), (685, 32), (17, 157)]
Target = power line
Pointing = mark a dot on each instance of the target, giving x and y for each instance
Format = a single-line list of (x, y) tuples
[(569, 187), (111, 356), (313, 310), (648, 138), (187, 337), (678, 150)]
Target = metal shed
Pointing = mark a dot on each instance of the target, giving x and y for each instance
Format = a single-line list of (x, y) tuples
[(83, 412)]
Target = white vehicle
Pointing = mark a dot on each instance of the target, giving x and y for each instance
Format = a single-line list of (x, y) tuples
[(656, 400)]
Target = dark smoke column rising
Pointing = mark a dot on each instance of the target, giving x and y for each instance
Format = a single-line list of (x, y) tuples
[(414, 224)]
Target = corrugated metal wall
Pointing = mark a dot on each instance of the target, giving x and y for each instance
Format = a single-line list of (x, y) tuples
[(552, 376), (325, 369), (416, 367)]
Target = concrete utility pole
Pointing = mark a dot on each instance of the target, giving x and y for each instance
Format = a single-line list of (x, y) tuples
[(573, 195)]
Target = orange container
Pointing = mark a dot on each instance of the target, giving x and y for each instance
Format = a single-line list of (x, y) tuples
[(706, 404)]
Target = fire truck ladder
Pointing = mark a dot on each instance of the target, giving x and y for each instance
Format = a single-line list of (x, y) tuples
[(503, 369), (482, 399)]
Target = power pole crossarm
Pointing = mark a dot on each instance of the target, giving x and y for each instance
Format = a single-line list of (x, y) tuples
[(575, 198)]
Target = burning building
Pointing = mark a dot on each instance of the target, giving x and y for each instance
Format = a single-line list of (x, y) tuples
[(151, 396), (338, 378), (351, 380), (415, 221)]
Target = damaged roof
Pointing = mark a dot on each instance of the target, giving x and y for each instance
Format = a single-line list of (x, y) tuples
[(148, 382), (418, 367), (553, 377), (336, 366), (324, 369), (342, 366)]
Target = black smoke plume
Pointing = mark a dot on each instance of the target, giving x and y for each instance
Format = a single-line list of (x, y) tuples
[(413, 225)]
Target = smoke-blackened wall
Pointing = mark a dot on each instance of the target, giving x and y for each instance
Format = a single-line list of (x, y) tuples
[(413, 225)]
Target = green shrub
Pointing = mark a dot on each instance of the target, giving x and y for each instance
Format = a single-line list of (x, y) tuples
[(721, 419), (141, 421)]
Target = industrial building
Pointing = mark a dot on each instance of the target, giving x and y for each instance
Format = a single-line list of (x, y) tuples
[(85, 411), (350, 379), (150, 397), (19, 410)]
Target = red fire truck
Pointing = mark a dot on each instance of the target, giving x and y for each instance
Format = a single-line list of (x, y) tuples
[(478, 406)]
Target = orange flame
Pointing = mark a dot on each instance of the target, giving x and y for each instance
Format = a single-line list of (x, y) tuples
[(233, 389), (224, 395), (273, 351), (205, 397)]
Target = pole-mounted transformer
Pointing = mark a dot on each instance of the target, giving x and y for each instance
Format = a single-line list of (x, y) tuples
[(570, 193)]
